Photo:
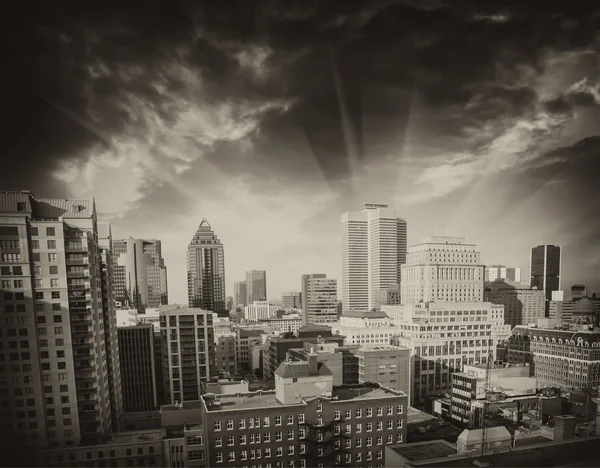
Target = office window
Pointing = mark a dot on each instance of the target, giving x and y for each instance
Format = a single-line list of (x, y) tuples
[(57, 318), (35, 256), (290, 419), (230, 424), (278, 420), (319, 406), (50, 231), (52, 257), (243, 439), (55, 294), (219, 458), (34, 231), (242, 424), (218, 441), (337, 415), (217, 426), (19, 284), (54, 282), (230, 440), (290, 435), (231, 456), (39, 295), (390, 410), (51, 244)]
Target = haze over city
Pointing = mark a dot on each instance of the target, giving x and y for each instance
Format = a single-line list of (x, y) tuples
[(271, 119)]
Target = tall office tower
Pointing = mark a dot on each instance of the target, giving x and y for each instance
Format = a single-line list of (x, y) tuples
[(53, 322), (319, 299), (111, 338), (229, 303), (443, 269), (501, 272), (138, 367), (256, 286), (188, 350), (240, 295), (206, 271), (291, 300), (140, 274), (373, 250), (442, 296), (545, 268)]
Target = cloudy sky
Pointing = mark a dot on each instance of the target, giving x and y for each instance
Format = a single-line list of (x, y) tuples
[(271, 118)]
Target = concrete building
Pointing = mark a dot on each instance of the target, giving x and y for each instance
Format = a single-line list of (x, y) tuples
[(240, 294), (206, 271), (247, 338), (362, 327), (319, 299), (291, 300), (287, 323), (138, 368), (391, 296), (52, 293), (183, 435), (226, 352), (188, 342), (259, 310), (305, 421), (386, 365), (140, 274), (373, 249), (546, 268), (522, 306), (256, 286), (501, 272), (326, 353)]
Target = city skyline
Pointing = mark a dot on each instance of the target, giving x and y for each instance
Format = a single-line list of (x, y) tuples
[(283, 132)]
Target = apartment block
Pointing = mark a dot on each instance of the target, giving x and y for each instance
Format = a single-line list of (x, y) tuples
[(305, 422), (138, 368), (188, 350), (54, 371)]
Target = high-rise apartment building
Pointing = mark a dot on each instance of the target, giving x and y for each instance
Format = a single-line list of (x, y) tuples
[(546, 268), (54, 372), (291, 300), (256, 286), (522, 306), (138, 368), (319, 299), (111, 338), (188, 350), (140, 274), (240, 294), (206, 271), (373, 250), (501, 272)]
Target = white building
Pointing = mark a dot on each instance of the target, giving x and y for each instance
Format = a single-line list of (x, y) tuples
[(222, 325), (443, 319), (501, 272), (373, 250), (365, 328), (287, 323), (131, 317), (259, 310)]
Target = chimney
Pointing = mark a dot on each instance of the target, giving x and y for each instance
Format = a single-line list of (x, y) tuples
[(313, 365)]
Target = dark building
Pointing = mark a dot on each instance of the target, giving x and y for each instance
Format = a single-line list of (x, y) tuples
[(138, 368), (546, 268), (206, 271)]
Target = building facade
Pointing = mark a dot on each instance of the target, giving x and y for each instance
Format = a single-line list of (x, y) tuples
[(259, 310), (291, 300), (319, 297), (546, 268), (305, 422), (206, 271), (386, 365), (373, 250), (138, 368), (140, 274), (522, 306), (502, 272), (256, 286), (188, 350), (240, 294)]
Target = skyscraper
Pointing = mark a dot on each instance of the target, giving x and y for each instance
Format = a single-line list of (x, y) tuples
[(53, 288), (240, 294), (319, 299), (373, 250), (188, 350), (206, 271), (546, 268), (138, 367), (256, 286), (140, 274), (501, 272)]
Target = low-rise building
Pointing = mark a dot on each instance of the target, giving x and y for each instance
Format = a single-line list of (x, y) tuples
[(384, 364), (284, 324), (305, 421)]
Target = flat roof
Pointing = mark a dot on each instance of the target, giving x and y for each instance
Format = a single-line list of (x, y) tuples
[(425, 450), (195, 404), (263, 399), (135, 436)]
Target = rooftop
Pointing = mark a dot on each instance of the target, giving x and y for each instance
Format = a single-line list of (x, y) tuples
[(263, 399), (381, 347), (425, 450), (374, 314), (186, 405), (291, 369), (181, 309), (134, 437)]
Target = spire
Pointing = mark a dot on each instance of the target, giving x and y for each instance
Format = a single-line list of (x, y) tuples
[(204, 223)]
